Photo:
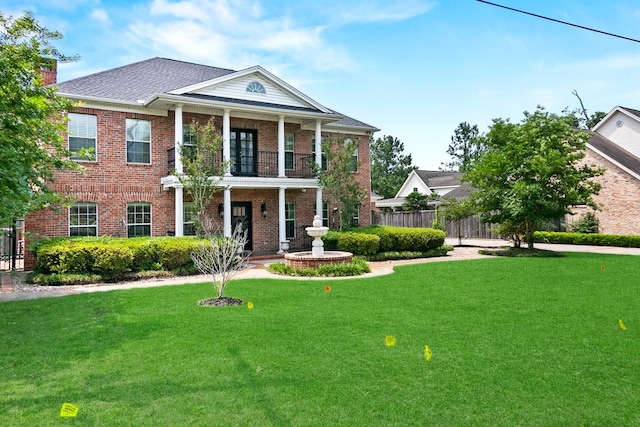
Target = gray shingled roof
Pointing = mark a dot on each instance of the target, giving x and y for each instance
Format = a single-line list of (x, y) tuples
[(145, 79), (440, 178), (141, 80), (632, 111), (615, 152)]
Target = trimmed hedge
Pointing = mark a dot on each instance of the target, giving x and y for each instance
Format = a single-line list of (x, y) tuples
[(405, 239), (356, 243), (112, 257), (587, 239)]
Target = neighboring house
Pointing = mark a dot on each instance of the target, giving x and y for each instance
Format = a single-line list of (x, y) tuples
[(615, 146), (136, 117), (424, 182)]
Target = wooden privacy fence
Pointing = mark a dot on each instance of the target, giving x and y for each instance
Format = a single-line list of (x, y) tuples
[(470, 228)]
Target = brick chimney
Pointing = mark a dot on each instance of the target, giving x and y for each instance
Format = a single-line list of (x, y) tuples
[(49, 71)]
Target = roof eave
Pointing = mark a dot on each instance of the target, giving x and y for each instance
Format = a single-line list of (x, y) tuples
[(179, 99)]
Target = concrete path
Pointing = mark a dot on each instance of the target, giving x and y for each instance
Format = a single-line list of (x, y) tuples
[(258, 270)]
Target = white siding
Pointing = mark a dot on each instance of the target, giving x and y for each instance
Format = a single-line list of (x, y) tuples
[(237, 89), (413, 181), (626, 136)]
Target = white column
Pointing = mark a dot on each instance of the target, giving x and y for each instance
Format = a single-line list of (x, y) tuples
[(282, 229), (281, 167), (226, 138), (319, 163), (178, 137), (227, 212), (179, 198), (179, 214), (319, 202)]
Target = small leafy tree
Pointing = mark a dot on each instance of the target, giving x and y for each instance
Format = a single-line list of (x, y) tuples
[(203, 170), (389, 166), (32, 118), (221, 257), (417, 201), (533, 172), (456, 211), (338, 180)]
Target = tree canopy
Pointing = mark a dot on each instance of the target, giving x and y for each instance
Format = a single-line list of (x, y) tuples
[(32, 118), (390, 167), (465, 147), (338, 180), (533, 172)]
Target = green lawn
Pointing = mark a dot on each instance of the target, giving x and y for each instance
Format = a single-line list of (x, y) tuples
[(514, 342)]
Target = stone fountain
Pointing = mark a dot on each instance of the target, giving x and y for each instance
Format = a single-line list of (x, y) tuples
[(318, 256)]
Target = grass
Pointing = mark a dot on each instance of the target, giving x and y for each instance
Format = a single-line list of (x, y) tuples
[(515, 341)]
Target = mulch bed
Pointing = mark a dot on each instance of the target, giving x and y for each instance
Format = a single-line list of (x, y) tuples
[(220, 302)]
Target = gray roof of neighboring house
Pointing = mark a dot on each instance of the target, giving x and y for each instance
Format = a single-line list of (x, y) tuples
[(145, 79), (461, 193), (615, 152), (435, 179), (632, 111)]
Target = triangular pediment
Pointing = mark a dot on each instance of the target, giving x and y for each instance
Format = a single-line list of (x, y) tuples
[(253, 85)]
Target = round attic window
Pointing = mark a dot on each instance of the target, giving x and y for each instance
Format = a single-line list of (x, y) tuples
[(255, 87), (619, 123)]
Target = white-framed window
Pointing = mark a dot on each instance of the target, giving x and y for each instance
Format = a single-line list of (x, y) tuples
[(82, 133), (138, 219), (188, 226), (256, 87), (288, 150), (290, 219), (83, 219), (313, 150), (354, 164), (138, 141), (355, 221), (189, 140), (325, 213)]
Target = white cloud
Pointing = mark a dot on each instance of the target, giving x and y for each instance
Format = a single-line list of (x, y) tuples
[(380, 11), (101, 16), (236, 35)]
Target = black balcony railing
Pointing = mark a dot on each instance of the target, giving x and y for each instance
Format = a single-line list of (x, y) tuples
[(264, 164)]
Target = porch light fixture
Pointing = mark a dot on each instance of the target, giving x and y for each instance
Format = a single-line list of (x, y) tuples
[(221, 210), (263, 208)]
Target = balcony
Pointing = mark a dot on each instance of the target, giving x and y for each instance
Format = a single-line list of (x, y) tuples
[(264, 164)]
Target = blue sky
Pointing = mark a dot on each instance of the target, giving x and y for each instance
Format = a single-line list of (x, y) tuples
[(413, 68)]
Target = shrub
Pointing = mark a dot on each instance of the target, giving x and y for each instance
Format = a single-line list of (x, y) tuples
[(389, 256), (406, 239), (331, 240), (587, 224), (358, 243), (521, 253), (112, 257), (587, 239), (355, 268), (62, 279)]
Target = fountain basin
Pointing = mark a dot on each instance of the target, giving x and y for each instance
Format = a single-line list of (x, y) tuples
[(309, 260)]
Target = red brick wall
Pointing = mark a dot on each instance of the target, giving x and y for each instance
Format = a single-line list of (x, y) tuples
[(112, 183), (619, 199)]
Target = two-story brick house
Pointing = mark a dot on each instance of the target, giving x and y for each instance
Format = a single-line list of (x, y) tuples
[(136, 117)]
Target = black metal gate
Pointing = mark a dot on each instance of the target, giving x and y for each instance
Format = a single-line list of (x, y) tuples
[(11, 248)]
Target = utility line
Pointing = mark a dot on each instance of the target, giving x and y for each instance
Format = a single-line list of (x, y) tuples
[(560, 22)]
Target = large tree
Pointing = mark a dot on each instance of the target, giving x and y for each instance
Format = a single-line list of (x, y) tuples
[(465, 147), (338, 179), (533, 171), (32, 118), (390, 167)]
